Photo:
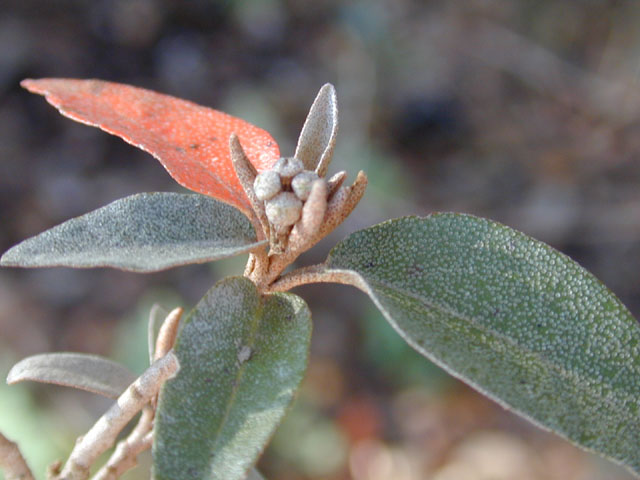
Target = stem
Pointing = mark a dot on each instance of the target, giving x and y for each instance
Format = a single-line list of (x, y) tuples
[(103, 434), (168, 333), (313, 274), (125, 455), (12, 462)]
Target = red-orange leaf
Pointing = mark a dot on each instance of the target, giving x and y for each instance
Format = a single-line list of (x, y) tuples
[(191, 141)]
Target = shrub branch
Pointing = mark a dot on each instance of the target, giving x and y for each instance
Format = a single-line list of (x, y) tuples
[(103, 434), (12, 462)]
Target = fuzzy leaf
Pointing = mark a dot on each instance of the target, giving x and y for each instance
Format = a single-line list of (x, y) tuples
[(511, 316), (242, 357), (84, 372), (146, 232), (318, 136), (191, 141)]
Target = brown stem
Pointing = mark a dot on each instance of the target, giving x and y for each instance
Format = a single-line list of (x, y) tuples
[(103, 434), (314, 274), (12, 462), (168, 333), (126, 453)]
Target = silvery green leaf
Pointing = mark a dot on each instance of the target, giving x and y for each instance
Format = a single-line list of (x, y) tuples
[(84, 372), (318, 136), (242, 357), (146, 232), (511, 316)]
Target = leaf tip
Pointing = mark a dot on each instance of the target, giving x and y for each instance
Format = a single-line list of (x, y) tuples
[(328, 89), (32, 85), (7, 259), (16, 374)]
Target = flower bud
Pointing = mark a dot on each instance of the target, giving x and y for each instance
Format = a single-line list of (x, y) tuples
[(288, 167), (283, 210), (301, 184), (267, 185)]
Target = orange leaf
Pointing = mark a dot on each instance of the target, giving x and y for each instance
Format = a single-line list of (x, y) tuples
[(191, 141)]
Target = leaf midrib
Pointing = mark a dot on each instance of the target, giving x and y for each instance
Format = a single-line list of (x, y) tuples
[(258, 316)]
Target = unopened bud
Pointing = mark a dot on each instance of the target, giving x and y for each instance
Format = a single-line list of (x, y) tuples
[(288, 167), (301, 183), (267, 185), (283, 210)]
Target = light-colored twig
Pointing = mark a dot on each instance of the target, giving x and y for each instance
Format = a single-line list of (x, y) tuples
[(12, 462), (166, 339), (103, 434), (155, 314), (126, 453), (167, 333), (314, 274)]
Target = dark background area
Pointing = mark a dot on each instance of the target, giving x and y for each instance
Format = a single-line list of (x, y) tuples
[(525, 112)]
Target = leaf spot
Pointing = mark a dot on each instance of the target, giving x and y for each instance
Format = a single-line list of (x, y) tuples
[(244, 354)]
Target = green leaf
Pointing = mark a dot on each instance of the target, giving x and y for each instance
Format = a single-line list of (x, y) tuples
[(242, 357), (78, 370), (142, 233), (511, 316)]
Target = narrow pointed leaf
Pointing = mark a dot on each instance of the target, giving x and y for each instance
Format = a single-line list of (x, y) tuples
[(242, 357), (84, 372), (146, 232), (318, 136), (514, 318), (191, 141)]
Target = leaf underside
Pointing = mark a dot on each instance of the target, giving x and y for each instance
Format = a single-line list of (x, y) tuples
[(242, 357), (511, 316), (78, 370), (146, 232), (191, 141)]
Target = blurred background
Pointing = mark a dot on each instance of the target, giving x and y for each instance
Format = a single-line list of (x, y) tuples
[(526, 112)]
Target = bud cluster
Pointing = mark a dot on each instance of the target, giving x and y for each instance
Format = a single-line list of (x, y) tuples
[(284, 189)]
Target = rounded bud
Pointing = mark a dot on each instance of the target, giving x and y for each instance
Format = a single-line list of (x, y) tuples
[(288, 167), (302, 183), (267, 185), (283, 210)]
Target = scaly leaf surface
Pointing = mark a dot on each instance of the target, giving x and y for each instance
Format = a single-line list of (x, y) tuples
[(146, 232), (191, 141), (511, 316), (242, 357)]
